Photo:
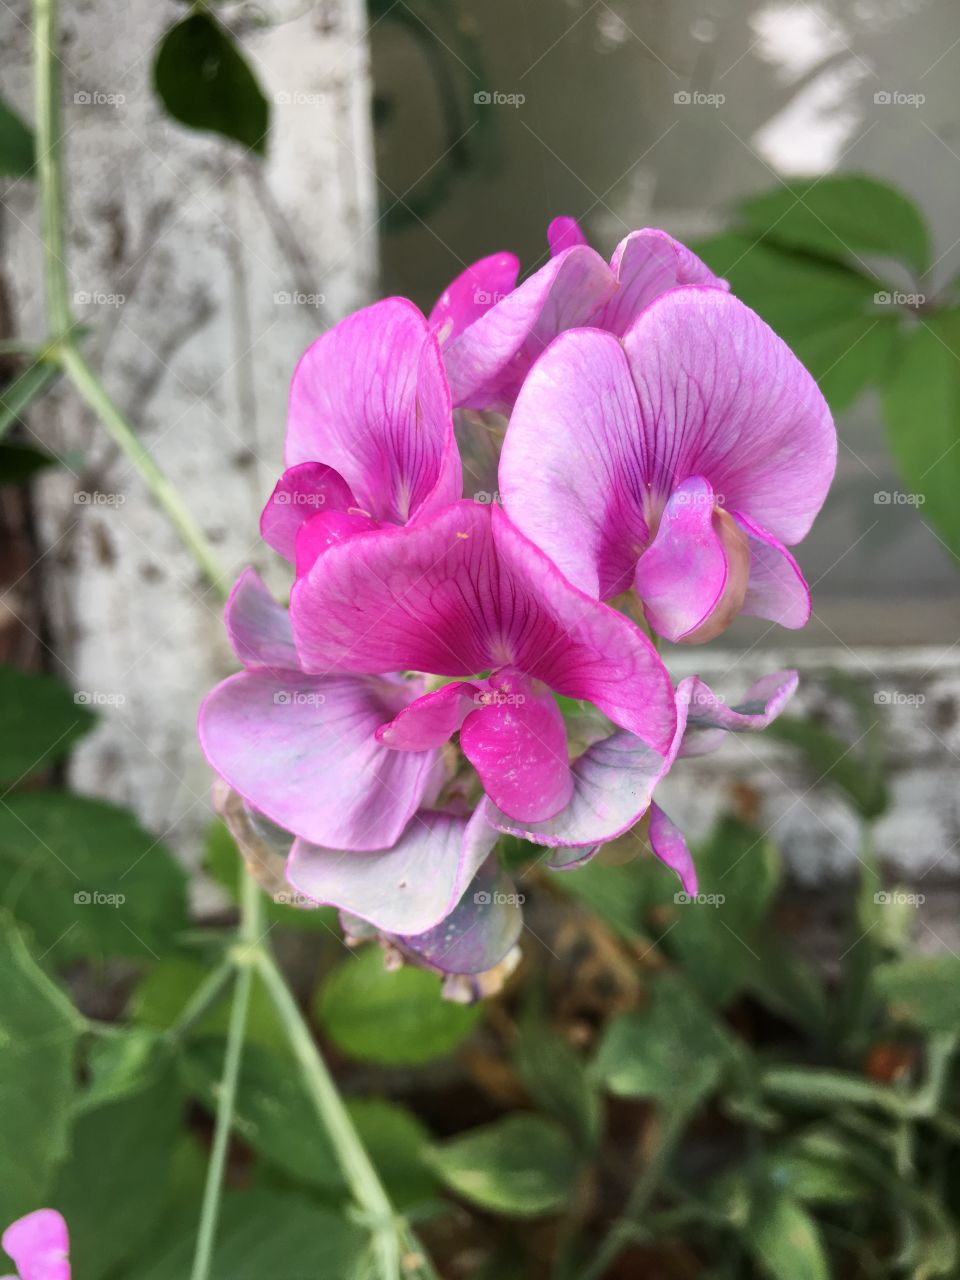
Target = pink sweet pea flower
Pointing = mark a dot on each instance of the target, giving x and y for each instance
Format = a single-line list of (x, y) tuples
[(678, 459), (492, 331), (369, 433), (39, 1246)]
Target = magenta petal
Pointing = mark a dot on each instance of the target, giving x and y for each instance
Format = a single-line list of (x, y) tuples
[(721, 396), (369, 399), (488, 361), (571, 470), (708, 719), (406, 889), (301, 492), (517, 742), (776, 589), (258, 627), (39, 1246), (303, 751), (693, 576), (473, 292), (431, 720), (463, 592), (667, 842), (564, 233), (648, 263), (329, 529)]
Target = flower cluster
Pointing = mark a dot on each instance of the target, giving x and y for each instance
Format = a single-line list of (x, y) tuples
[(451, 670)]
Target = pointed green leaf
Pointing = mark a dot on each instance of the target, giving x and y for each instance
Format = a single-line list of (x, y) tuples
[(16, 144)]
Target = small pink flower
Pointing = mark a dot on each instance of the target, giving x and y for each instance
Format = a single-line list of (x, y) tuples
[(39, 1246)]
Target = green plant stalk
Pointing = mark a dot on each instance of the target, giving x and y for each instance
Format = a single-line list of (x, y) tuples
[(360, 1173), (250, 928), (202, 1000)]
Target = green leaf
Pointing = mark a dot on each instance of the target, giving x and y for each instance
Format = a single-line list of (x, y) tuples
[(42, 721), (21, 462), (165, 991), (673, 1051), (117, 1174), (205, 82), (921, 411), (39, 1029), (556, 1078), (521, 1166), (120, 1062), (821, 1089), (818, 1167), (842, 217), (848, 357), (738, 870), (87, 878), (783, 981), (394, 1017), (785, 1241), (832, 760), (619, 895), (264, 1235), (16, 398), (16, 144), (922, 991), (397, 1142)]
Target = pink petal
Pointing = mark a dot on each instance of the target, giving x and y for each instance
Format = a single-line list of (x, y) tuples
[(564, 233), (648, 263), (480, 930), (776, 589), (474, 292), (302, 750), (258, 627), (571, 470), (301, 492), (517, 742), (488, 361), (329, 529), (369, 399), (462, 592), (406, 889), (709, 719), (432, 720), (39, 1246), (667, 842), (693, 577), (721, 396)]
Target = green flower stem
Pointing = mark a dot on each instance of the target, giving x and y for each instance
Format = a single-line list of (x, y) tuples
[(360, 1173), (203, 999), (251, 923)]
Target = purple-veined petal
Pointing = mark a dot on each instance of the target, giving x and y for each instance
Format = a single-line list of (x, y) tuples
[(431, 720), (369, 398), (668, 844), (404, 889), (301, 492), (328, 529), (647, 263), (693, 577), (302, 750), (477, 289), (463, 592), (564, 233), (776, 589), (488, 361), (479, 931), (571, 473), (709, 720), (723, 397), (258, 627), (517, 742), (39, 1246)]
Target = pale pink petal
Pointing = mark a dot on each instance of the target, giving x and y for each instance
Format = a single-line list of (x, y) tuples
[(369, 399), (647, 263), (431, 720), (301, 492), (517, 742), (564, 233), (480, 930), (302, 750), (481, 286), (667, 842), (39, 1245), (488, 361), (258, 627), (709, 719), (776, 589), (406, 889)]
